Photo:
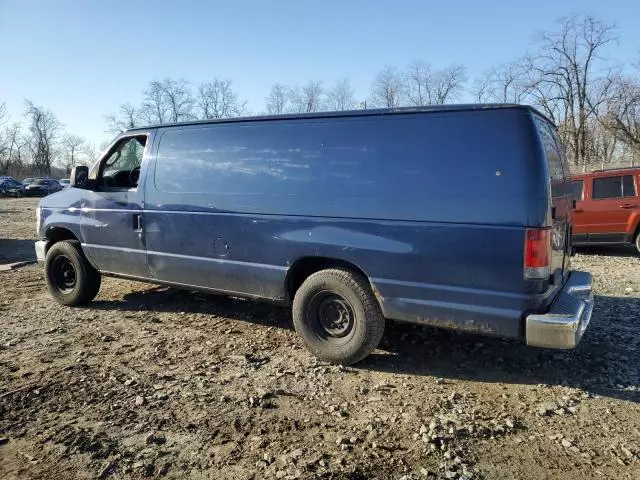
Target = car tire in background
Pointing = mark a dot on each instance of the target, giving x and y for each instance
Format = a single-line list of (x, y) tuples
[(337, 316), (70, 278)]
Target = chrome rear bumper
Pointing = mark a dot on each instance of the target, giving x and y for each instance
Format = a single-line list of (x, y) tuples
[(564, 324)]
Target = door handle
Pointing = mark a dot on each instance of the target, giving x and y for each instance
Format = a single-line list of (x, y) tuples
[(137, 222), (578, 210), (627, 205)]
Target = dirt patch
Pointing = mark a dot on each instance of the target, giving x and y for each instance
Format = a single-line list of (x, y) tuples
[(157, 382)]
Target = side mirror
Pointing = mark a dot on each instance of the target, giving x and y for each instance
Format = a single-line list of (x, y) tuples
[(79, 177)]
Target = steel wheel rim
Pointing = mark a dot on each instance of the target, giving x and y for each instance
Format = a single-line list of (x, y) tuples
[(331, 317), (64, 274)]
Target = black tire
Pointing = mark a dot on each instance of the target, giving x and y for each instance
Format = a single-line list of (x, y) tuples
[(70, 278), (337, 316), (637, 243)]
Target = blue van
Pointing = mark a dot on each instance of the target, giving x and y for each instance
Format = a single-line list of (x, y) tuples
[(455, 216)]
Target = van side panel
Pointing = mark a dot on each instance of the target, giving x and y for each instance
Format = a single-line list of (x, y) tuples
[(410, 265), (432, 207)]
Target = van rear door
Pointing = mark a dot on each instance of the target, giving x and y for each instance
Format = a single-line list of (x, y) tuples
[(561, 199)]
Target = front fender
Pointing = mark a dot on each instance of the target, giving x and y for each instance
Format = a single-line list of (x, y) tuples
[(64, 218), (61, 210)]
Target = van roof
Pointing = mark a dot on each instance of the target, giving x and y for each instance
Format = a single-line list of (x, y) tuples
[(354, 113)]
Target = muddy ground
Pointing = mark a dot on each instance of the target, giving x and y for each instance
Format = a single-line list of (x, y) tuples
[(156, 382)]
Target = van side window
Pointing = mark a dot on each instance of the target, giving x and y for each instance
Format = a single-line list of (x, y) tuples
[(628, 187), (577, 188), (552, 150), (283, 159), (121, 169), (607, 187)]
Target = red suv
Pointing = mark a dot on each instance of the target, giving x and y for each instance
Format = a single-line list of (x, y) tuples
[(607, 210)]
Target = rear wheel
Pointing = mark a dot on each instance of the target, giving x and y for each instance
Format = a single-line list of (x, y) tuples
[(70, 278), (637, 242), (337, 316)]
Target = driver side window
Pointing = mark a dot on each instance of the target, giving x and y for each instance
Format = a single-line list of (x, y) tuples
[(121, 169)]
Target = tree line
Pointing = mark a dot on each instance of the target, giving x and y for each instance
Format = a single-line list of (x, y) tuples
[(566, 75), (39, 145)]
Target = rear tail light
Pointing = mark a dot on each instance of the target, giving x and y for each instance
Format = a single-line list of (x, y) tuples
[(537, 253)]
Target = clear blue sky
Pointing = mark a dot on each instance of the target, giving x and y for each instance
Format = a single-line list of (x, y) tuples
[(81, 59)]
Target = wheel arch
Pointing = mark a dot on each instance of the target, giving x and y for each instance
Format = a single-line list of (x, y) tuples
[(636, 228), (635, 239), (308, 265), (59, 233), (55, 234)]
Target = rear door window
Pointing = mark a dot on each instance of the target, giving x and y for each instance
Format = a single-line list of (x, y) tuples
[(577, 189), (628, 186), (607, 187), (556, 160)]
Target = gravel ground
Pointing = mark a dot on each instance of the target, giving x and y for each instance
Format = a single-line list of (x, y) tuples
[(155, 382)]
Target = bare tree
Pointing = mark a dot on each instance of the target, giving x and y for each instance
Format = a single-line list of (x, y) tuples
[(216, 99), (127, 117), (73, 147), (308, 98), (167, 101), (602, 145), (425, 86), (277, 101), (12, 149), (565, 80), (89, 154), (623, 114), (386, 89), (341, 96), (177, 96), (154, 108), (507, 83), (416, 75), (43, 127), (3, 113)]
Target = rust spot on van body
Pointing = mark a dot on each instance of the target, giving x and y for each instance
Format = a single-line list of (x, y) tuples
[(467, 326)]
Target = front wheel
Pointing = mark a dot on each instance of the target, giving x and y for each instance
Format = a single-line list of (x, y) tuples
[(637, 243), (337, 316), (70, 278)]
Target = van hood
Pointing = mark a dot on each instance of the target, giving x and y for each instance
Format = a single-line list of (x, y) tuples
[(67, 198)]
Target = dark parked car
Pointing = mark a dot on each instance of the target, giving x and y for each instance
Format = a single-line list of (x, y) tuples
[(450, 216), (3, 178), (42, 187), (11, 188)]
